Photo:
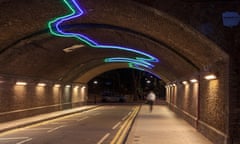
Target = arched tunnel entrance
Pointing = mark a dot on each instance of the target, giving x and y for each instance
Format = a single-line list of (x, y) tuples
[(47, 61), (124, 86)]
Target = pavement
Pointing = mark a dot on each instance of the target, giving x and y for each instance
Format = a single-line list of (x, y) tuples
[(11, 125), (161, 126)]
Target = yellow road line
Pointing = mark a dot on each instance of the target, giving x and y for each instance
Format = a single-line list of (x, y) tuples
[(119, 137)]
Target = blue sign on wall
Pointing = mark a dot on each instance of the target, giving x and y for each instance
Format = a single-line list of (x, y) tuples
[(231, 19)]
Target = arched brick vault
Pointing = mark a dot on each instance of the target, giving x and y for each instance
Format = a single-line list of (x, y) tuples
[(26, 47), (28, 50), (169, 30)]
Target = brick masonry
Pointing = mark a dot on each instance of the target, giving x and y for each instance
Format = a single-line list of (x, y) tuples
[(204, 17), (24, 101)]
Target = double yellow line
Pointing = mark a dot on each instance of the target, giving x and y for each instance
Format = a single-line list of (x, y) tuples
[(122, 132)]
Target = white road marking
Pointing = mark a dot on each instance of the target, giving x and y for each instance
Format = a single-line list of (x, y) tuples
[(103, 138), (124, 118), (58, 123), (82, 118), (116, 125), (65, 120), (13, 138), (51, 130), (24, 141), (96, 114), (35, 129)]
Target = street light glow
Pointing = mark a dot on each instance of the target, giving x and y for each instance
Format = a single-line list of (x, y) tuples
[(95, 82)]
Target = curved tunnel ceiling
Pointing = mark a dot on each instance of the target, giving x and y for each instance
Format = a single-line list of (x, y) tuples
[(36, 53)]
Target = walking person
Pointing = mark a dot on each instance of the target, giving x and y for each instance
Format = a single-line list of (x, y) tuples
[(151, 97)]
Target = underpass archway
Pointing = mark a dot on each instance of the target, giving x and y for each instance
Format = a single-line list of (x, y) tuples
[(32, 53)]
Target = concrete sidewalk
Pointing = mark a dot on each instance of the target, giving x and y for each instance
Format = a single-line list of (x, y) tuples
[(6, 126), (161, 126)]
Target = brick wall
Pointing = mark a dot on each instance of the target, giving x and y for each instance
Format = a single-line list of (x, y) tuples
[(204, 104), (18, 101)]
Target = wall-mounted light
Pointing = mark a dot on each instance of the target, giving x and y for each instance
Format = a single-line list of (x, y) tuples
[(166, 86), (185, 82), (210, 77), (174, 85), (57, 85), (21, 83), (83, 87), (193, 80), (76, 87), (41, 84), (68, 86)]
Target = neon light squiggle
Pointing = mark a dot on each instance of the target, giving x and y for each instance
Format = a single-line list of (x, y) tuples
[(55, 29), (133, 62)]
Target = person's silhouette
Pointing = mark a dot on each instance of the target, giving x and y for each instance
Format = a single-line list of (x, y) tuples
[(151, 97)]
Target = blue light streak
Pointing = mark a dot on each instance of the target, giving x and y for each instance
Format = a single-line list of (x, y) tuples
[(55, 29)]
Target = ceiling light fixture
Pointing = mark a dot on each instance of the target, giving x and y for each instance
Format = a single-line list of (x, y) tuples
[(72, 48)]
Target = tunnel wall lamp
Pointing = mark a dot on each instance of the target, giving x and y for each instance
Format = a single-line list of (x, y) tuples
[(57, 85), (41, 84), (76, 12), (76, 87), (68, 86), (193, 80), (210, 77), (185, 82), (21, 83)]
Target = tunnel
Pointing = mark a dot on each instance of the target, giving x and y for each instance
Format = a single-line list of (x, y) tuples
[(50, 50)]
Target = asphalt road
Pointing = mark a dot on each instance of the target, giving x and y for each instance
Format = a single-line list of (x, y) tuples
[(98, 126)]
